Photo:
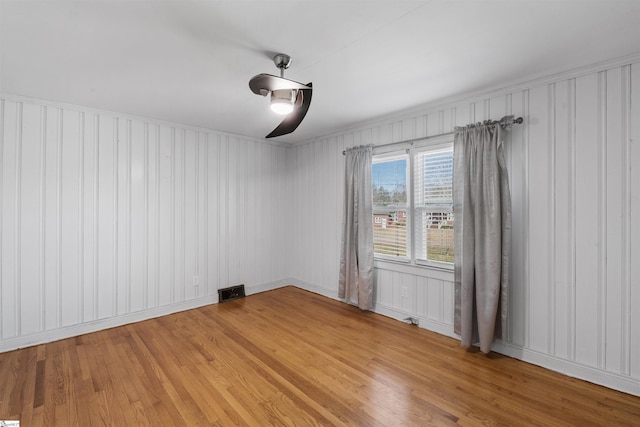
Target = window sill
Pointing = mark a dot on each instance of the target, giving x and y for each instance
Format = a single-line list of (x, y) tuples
[(436, 272), (443, 266), (393, 259)]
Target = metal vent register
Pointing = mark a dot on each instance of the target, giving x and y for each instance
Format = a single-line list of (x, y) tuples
[(231, 293)]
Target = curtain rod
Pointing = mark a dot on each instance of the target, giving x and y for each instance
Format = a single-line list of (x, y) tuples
[(503, 122)]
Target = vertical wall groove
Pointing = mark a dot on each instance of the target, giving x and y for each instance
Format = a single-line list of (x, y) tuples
[(59, 160), (196, 240), (218, 225), (207, 169), (145, 246), (525, 217), (18, 213), (96, 213), (129, 234), (602, 217), (158, 186), (551, 229), (625, 312), (508, 334), (80, 241), (116, 182), (454, 119), (173, 215), (441, 302), (508, 108), (226, 214), (551, 256), (572, 232), (183, 224), (42, 232)]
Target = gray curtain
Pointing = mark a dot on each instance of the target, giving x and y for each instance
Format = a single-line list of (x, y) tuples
[(482, 233), (356, 258)]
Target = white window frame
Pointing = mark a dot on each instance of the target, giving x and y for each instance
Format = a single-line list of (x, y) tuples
[(436, 143), (386, 157), (434, 147)]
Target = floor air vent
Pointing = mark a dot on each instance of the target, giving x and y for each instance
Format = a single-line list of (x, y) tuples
[(230, 293)]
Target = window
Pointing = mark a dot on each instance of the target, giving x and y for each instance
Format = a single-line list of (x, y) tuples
[(413, 204), (433, 176), (389, 181)]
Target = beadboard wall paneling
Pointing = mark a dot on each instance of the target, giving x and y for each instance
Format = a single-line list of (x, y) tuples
[(517, 159), (575, 295), (106, 219), (630, 248)]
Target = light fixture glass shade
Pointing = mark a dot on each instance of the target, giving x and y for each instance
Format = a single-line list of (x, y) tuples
[(282, 101)]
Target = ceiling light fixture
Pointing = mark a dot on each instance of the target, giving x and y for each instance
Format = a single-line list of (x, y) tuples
[(288, 98), (282, 101)]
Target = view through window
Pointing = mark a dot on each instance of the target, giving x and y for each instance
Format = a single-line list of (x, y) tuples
[(433, 172), (429, 213), (389, 177)]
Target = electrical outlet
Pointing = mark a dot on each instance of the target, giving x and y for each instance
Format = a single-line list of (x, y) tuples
[(196, 280), (405, 292)]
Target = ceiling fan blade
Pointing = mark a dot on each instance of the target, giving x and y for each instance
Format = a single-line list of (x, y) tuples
[(262, 84), (292, 120)]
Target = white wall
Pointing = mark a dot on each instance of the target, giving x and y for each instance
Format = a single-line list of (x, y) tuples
[(107, 219), (575, 299)]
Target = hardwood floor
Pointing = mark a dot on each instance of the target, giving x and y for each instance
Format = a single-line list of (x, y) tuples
[(288, 357)]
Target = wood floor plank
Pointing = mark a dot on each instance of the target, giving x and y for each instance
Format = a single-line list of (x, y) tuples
[(289, 358)]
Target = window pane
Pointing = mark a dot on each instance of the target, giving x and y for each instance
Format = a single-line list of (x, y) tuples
[(389, 182), (434, 205)]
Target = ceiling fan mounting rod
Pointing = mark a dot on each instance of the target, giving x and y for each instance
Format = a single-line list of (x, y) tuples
[(282, 61)]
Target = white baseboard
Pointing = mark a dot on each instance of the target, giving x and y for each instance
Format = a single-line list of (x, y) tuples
[(563, 366), (569, 368), (423, 322), (263, 287), (566, 367), (316, 289), (441, 328), (100, 324), (111, 322)]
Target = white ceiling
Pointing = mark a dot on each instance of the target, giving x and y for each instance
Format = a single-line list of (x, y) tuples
[(190, 61)]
